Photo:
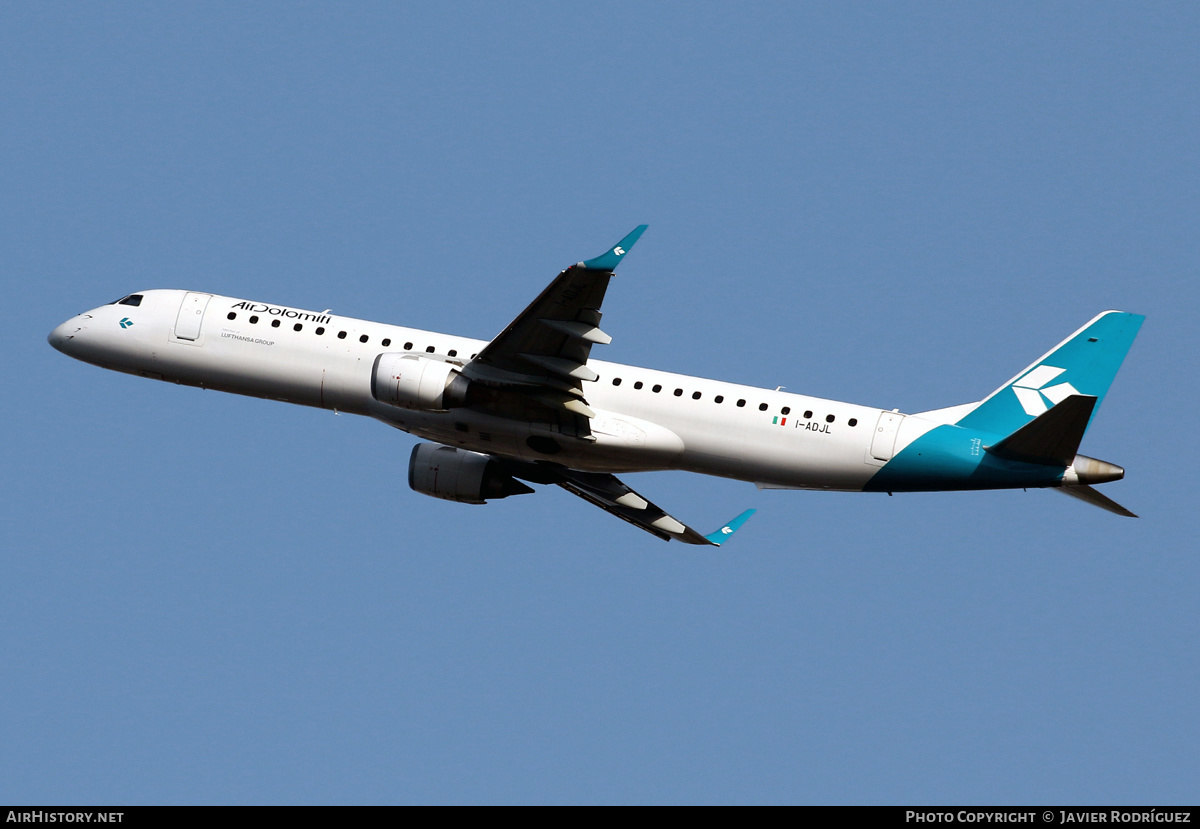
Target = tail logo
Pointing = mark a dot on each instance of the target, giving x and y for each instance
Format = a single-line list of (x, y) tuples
[(1033, 390)]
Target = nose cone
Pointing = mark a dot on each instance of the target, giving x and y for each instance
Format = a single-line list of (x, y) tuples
[(61, 337)]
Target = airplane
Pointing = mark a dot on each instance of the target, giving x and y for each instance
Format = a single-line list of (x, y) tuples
[(531, 406)]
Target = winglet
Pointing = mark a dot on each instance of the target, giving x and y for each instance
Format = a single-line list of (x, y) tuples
[(718, 538), (609, 259)]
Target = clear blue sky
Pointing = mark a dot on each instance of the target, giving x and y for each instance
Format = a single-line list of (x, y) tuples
[(211, 599)]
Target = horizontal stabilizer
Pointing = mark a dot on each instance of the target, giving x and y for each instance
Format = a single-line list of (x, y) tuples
[(1052, 438), (1095, 498)]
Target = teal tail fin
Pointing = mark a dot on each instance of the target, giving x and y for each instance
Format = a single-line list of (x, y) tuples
[(1085, 363)]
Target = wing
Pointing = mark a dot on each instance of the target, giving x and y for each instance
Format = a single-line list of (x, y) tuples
[(535, 370), (610, 494), (536, 367)]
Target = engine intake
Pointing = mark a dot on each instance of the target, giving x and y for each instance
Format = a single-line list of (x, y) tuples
[(415, 382), (458, 475)]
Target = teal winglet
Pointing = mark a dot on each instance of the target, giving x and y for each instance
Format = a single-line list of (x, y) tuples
[(610, 258), (729, 529)]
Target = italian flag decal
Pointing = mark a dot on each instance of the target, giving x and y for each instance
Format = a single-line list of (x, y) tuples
[(779, 421)]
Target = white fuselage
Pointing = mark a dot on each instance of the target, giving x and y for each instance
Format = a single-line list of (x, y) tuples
[(645, 419)]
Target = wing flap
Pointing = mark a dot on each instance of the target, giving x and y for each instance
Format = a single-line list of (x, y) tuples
[(579, 330), (562, 366)]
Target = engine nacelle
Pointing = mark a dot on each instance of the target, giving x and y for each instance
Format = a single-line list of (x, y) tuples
[(458, 475), (414, 382)]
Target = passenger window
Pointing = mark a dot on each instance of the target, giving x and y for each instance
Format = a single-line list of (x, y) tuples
[(274, 323), (656, 389), (762, 407), (638, 384), (386, 342), (408, 346), (254, 320), (453, 352), (341, 335), (808, 414), (679, 392), (853, 421), (787, 410), (297, 327), (231, 316), (320, 331), (428, 349), (695, 395), (720, 398), (363, 338), (616, 381), (741, 403), (829, 418)]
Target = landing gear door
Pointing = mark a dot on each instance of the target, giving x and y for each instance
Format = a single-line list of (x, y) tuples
[(883, 443), (191, 314)]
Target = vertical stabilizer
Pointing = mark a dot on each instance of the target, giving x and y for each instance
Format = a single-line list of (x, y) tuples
[(1083, 364)]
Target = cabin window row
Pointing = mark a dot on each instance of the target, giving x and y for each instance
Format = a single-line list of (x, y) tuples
[(741, 403), (319, 331)]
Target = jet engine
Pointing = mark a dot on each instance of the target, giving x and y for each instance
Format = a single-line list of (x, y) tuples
[(411, 381), (459, 475)]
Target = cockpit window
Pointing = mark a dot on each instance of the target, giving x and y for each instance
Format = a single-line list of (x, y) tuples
[(132, 299)]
